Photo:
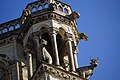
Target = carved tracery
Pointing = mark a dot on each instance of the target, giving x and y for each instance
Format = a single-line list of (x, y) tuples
[(5, 72)]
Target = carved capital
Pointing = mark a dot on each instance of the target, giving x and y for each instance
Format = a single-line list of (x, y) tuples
[(14, 37), (76, 50), (53, 30), (27, 50), (36, 35), (68, 37)]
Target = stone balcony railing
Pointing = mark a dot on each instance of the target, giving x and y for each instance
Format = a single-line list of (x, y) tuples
[(10, 26), (38, 5), (33, 7)]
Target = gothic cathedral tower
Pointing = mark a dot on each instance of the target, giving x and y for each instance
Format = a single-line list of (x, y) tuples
[(41, 44)]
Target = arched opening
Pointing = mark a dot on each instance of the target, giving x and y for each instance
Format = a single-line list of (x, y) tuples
[(46, 48), (17, 26), (65, 10), (46, 6), (5, 30), (40, 7), (46, 37), (60, 8), (62, 49), (31, 47), (33, 9), (11, 28)]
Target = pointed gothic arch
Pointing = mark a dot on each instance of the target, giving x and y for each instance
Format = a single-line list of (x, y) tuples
[(62, 49)]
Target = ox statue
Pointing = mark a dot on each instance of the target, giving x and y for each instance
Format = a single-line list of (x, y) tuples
[(87, 71)]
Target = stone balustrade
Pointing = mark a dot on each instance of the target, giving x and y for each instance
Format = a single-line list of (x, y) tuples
[(33, 7), (63, 7), (9, 26), (38, 5)]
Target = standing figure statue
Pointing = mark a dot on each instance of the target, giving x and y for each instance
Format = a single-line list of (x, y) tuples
[(46, 55), (87, 71)]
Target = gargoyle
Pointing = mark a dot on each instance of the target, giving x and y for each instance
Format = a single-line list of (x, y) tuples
[(87, 71), (82, 36), (74, 15)]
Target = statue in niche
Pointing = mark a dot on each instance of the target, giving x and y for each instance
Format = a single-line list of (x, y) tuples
[(46, 55), (87, 71), (66, 63)]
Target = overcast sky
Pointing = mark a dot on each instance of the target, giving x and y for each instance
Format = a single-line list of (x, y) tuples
[(100, 20)]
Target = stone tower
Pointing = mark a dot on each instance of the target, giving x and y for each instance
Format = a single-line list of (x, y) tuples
[(41, 44)]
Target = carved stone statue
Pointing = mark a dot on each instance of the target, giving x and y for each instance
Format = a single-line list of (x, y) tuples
[(87, 71), (46, 56)]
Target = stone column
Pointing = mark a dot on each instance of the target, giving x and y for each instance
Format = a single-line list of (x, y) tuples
[(53, 32), (75, 57), (70, 52), (15, 46), (46, 76), (16, 57), (38, 50), (29, 62)]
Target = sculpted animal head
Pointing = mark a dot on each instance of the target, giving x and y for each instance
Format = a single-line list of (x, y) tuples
[(74, 15), (43, 42), (82, 36), (87, 71), (94, 62)]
